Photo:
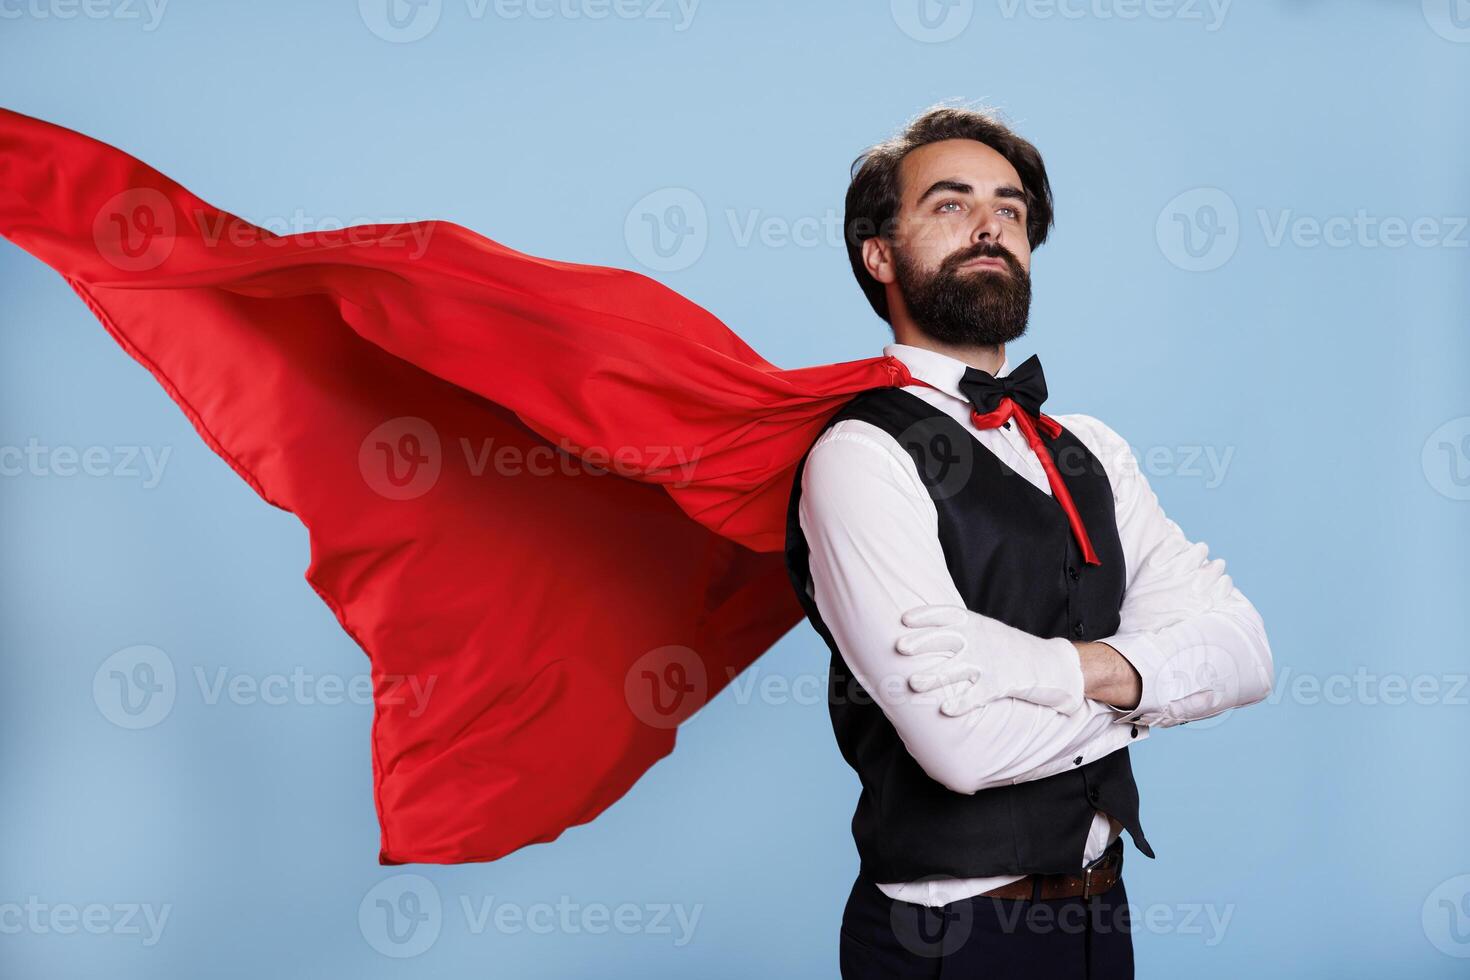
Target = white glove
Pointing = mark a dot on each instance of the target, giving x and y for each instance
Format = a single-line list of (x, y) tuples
[(986, 660)]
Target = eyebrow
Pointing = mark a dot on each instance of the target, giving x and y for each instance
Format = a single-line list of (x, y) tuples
[(960, 187)]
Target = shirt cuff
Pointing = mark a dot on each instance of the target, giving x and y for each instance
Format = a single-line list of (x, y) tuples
[(1139, 649)]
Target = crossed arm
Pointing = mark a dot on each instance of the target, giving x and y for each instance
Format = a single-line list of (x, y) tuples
[(1189, 644), (1107, 675)]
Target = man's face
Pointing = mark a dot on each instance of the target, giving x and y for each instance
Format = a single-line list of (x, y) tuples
[(959, 252)]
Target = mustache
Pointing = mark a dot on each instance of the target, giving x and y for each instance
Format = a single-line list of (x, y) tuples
[(984, 250)]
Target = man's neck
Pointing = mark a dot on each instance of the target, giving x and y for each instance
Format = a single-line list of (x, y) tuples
[(987, 358)]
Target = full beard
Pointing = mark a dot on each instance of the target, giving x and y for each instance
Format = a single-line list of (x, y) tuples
[(971, 307)]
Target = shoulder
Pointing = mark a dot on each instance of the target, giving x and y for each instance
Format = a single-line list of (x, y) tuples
[(852, 451), (1090, 429), (853, 441), (1104, 442)]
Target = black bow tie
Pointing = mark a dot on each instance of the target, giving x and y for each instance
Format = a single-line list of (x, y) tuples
[(1026, 386)]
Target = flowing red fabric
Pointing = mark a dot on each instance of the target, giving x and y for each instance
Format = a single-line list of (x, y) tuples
[(550, 495)]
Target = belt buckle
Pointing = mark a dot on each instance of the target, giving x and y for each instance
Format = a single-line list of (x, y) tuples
[(1106, 862)]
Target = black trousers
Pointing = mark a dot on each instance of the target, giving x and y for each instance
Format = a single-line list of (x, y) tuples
[(993, 938)]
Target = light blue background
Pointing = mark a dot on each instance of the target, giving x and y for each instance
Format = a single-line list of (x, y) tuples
[(1321, 826)]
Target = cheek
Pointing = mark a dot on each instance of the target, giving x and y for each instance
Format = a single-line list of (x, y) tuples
[(931, 242), (1023, 256)]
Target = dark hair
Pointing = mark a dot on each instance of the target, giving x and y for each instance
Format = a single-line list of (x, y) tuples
[(873, 194)]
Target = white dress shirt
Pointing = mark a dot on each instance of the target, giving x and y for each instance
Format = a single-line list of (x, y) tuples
[(872, 529)]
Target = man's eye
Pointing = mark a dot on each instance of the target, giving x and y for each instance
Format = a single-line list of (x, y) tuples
[(948, 204), (1014, 212)]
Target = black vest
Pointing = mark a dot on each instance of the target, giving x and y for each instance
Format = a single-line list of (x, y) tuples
[(1013, 557)]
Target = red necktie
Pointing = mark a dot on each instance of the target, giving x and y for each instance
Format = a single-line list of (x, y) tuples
[(1018, 396)]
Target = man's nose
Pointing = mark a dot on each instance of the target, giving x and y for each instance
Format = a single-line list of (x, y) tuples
[(987, 228)]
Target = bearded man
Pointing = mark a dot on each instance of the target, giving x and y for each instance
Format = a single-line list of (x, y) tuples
[(1007, 606)]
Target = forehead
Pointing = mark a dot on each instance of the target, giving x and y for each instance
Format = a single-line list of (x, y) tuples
[(969, 161)]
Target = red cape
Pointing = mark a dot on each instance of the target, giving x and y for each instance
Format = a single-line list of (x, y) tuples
[(554, 492)]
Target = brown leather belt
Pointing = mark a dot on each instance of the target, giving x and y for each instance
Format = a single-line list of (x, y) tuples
[(1093, 879)]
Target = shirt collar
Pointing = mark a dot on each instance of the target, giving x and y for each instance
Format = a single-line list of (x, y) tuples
[(940, 370)]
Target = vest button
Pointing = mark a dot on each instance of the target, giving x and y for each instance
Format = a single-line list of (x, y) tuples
[(1072, 572), (1077, 629), (1092, 794)]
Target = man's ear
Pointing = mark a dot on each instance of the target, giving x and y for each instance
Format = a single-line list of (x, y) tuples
[(878, 258)]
